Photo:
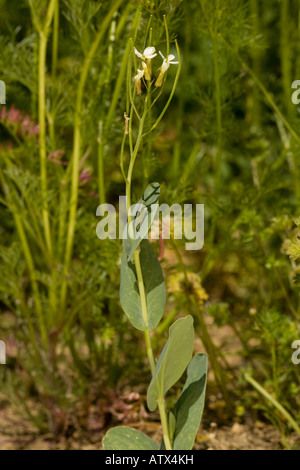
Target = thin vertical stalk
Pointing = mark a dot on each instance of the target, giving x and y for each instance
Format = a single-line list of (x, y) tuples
[(55, 41), (160, 401), (141, 286), (43, 150), (101, 183), (255, 11), (106, 121), (51, 118), (274, 368), (218, 158), (77, 148), (285, 55), (217, 82), (274, 402), (123, 69), (164, 423), (31, 269), (106, 97), (43, 40), (53, 301), (181, 99)]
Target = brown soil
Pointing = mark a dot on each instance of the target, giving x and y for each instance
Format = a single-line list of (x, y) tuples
[(18, 434), (243, 433)]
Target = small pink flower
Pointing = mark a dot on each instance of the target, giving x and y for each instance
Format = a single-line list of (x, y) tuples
[(57, 154), (85, 176), (26, 124), (56, 157), (14, 116), (3, 113), (35, 130)]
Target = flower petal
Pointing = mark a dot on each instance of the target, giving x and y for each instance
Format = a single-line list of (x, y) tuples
[(165, 66), (138, 53), (149, 52), (140, 75)]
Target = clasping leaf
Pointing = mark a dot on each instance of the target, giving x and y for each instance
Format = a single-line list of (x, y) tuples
[(173, 360)]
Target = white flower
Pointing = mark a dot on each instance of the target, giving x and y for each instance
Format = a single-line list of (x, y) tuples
[(139, 75), (138, 82), (167, 61), (148, 54)]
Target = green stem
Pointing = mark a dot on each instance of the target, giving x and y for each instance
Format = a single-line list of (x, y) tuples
[(164, 423), (181, 100), (274, 368), (77, 147), (255, 11), (118, 86), (43, 150), (285, 48), (63, 196), (101, 183), (141, 286), (218, 169), (106, 79), (32, 336), (274, 402), (171, 94), (218, 162), (43, 39), (34, 284), (136, 148), (55, 40), (31, 268), (51, 118), (115, 97)]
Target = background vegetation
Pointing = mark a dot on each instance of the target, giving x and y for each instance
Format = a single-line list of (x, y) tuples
[(230, 140)]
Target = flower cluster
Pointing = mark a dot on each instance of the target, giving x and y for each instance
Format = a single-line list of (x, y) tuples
[(56, 157), (21, 123), (146, 70), (190, 285)]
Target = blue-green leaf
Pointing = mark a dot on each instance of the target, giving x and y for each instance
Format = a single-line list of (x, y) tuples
[(154, 288), (146, 215), (124, 438), (189, 408), (173, 360)]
